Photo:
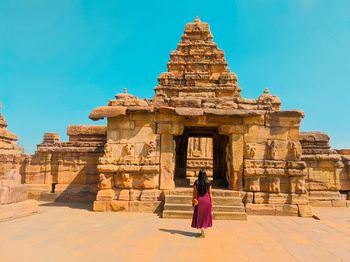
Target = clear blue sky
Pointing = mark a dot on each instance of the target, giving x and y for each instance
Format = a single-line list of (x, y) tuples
[(60, 59)]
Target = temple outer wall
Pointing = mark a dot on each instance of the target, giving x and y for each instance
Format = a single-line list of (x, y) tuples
[(65, 171), (328, 176)]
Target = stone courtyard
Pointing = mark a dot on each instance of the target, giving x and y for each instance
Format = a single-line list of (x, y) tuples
[(71, 232)]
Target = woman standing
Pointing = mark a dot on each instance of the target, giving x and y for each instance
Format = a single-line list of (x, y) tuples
[(202, 202)]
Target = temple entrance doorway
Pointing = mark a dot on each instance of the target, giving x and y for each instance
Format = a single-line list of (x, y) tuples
[(200, 148)]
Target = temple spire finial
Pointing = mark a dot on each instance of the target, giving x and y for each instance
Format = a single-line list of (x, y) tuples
[(124, 90), (197, 20)]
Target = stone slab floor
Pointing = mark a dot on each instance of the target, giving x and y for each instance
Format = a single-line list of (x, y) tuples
[(73, 233)]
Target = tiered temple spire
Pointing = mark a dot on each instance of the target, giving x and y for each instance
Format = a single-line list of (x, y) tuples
[(197, 68)]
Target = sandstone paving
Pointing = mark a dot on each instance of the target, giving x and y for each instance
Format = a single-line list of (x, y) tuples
[(72, 232)]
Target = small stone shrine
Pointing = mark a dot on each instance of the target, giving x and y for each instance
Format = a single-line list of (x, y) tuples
[(14, 200)]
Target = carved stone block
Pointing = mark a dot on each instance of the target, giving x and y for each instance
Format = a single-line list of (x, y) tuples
[(105, 195), (119, 206), (305, 211), (274, 185), (253, 183), (297, 184), (100, 206)]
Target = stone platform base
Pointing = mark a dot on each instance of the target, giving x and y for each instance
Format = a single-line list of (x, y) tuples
[(328, 199), (63, 193), (128, 206), (330, 203), (279, 210), (19, 209)]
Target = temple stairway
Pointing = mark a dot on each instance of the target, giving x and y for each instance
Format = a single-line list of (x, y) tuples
[(227, 204)]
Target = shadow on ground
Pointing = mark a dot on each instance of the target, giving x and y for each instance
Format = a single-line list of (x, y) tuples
[(74, 205), (180, 232)]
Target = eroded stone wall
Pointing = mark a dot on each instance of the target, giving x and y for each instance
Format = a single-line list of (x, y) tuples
[(67, 169), (328, 180), (13, 194)]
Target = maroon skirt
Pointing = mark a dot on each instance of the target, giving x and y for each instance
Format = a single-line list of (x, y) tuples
[(202, 212)]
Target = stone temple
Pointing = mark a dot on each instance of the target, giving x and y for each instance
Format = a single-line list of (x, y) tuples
[(150, 152)]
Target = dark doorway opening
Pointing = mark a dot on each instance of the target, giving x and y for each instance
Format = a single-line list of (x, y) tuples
[(200, 148)]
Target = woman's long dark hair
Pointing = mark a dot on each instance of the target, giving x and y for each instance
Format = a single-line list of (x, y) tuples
[(202, 183)]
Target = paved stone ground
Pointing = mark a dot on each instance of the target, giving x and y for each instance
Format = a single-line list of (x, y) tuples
[(73, 233)]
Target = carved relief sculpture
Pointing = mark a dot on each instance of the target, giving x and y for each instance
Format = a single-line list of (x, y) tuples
[(295, 149), (297, 184), (127, 157), (274, 185), (250, 150), (272, 146), (105, 183), (253, 183)]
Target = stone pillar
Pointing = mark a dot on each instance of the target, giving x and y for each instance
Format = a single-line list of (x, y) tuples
[(234, 155), (26, 169), (235, 166), (167, 162), (167, 153), (47, 169)]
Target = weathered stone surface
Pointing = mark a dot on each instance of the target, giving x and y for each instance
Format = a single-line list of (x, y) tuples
[(270, 209), (124, 195), (320, 203), (150, 195), (145, 206), (280, 198), (119, 206), (185, 102), (17, 193), (286, 210), (100, 206), (248, 197), (324, 195), (4, 195), (339, 203), (105, 195), (260, 209), (167, 162), (305, 211), (107, 111), (135, 194)]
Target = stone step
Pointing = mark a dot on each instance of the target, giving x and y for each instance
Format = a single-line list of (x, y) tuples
[(48, 197), (215, 192), (229, 216), (186, 207), (176, 214), (220, 201)]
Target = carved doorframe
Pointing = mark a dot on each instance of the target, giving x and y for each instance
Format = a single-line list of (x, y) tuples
[(235, 155), (167, 132)]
